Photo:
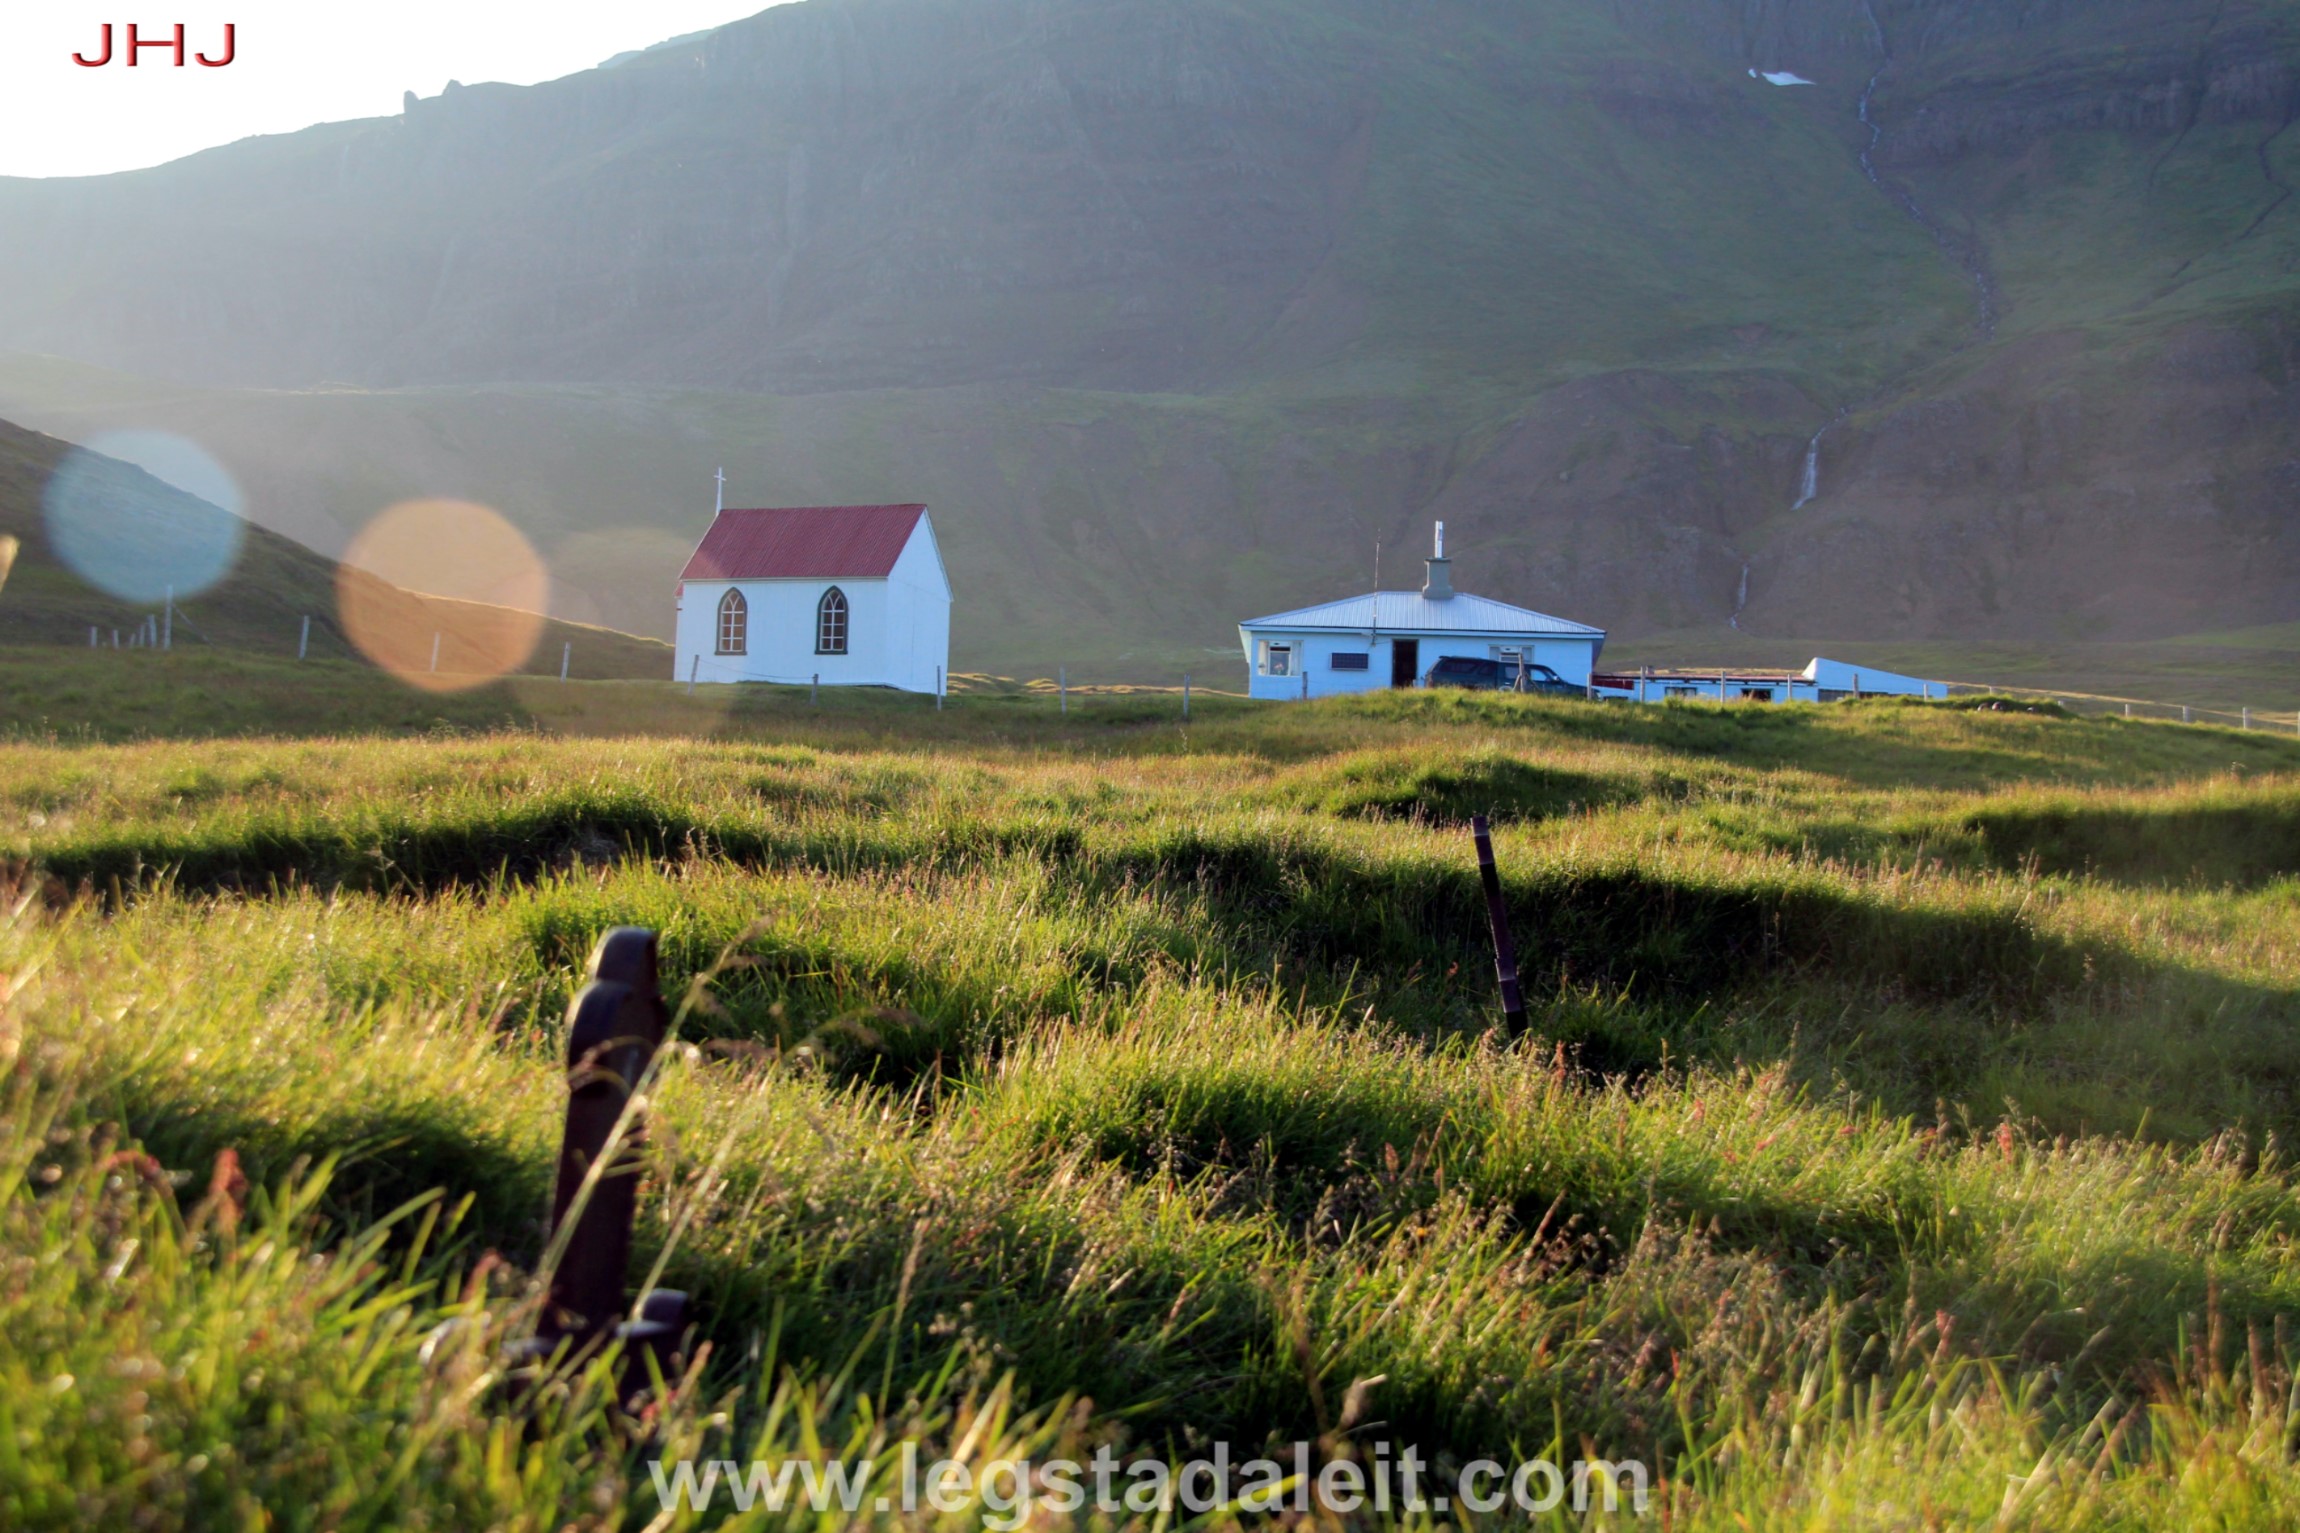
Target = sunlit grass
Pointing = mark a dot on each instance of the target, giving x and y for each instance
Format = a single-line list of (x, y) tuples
[(1881, 1130)]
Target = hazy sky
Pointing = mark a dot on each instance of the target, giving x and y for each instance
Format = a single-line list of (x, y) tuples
[(299, 62)]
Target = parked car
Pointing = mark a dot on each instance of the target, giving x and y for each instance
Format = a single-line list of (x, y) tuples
[(1497, 676)]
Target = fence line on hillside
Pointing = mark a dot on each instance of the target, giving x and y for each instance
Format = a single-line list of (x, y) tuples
[(1067, 691), (2242, 716), (154, 631)]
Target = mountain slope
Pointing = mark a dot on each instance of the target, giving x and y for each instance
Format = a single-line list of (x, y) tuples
[(273, 584), (1172, 310), (1125, 194)]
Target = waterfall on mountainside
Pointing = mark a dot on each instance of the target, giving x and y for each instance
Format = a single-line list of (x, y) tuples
[(1810, 486), (1740, 602)]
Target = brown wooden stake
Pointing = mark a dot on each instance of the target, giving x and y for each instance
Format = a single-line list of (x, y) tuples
[(614, 1027), (1504, 951)]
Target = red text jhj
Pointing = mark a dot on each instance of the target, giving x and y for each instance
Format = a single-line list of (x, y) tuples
[(175, 44)]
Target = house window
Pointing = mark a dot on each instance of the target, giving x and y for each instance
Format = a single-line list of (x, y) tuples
[(1277, 659), (734, 624), (1352, 660), (831, 623)]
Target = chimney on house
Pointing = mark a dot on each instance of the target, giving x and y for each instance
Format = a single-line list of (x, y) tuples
[(1439, 585)]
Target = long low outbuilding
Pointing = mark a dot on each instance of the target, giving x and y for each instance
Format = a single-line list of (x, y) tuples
[(1821, 681)]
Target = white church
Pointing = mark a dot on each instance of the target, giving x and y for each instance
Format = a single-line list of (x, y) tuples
[(851, 596)]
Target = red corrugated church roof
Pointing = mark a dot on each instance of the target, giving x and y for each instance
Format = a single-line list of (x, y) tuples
[(803, 542)]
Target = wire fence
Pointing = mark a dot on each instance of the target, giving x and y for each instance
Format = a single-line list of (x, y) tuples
[(2242, 716), (155, 631)]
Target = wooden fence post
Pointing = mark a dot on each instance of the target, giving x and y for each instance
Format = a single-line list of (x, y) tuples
[(1497, 915), (1062, 681), (615, 1024), (566, 656), (1185, 697)]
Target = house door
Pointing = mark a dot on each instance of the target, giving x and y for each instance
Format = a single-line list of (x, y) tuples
[(1405, 662)]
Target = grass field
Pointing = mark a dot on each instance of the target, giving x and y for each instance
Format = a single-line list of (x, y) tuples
[(1896, 1142)]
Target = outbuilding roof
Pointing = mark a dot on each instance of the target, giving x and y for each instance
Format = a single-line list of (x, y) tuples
[(1411, 612), (803, 543)]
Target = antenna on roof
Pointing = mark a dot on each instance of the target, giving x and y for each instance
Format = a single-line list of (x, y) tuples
[(719, 501), (1377, 564)]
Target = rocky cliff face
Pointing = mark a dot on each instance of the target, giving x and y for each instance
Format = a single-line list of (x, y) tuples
[(1214, 297)]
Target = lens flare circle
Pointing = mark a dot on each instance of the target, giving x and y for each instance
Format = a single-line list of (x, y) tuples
[(135, 539), (444, 594)]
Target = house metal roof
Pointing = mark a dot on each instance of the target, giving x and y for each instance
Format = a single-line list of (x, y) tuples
[(803, 542), (1412, 612)]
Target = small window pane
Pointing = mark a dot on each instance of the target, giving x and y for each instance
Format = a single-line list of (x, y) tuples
[(1352, 660), (734, 624), (1281, 660), (831, 623)]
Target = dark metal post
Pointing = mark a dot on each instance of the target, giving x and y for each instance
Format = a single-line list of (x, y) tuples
[(1504, 951)]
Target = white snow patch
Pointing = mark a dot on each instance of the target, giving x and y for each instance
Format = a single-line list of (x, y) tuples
[(1781, 77)]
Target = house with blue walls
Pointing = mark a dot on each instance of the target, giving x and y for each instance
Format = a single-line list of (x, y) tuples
[(1393, 639)]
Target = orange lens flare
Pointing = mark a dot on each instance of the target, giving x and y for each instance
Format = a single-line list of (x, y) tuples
[(7, 559), (444, 594)]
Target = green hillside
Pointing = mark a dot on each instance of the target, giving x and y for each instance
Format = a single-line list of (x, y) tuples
[(260, 605)]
